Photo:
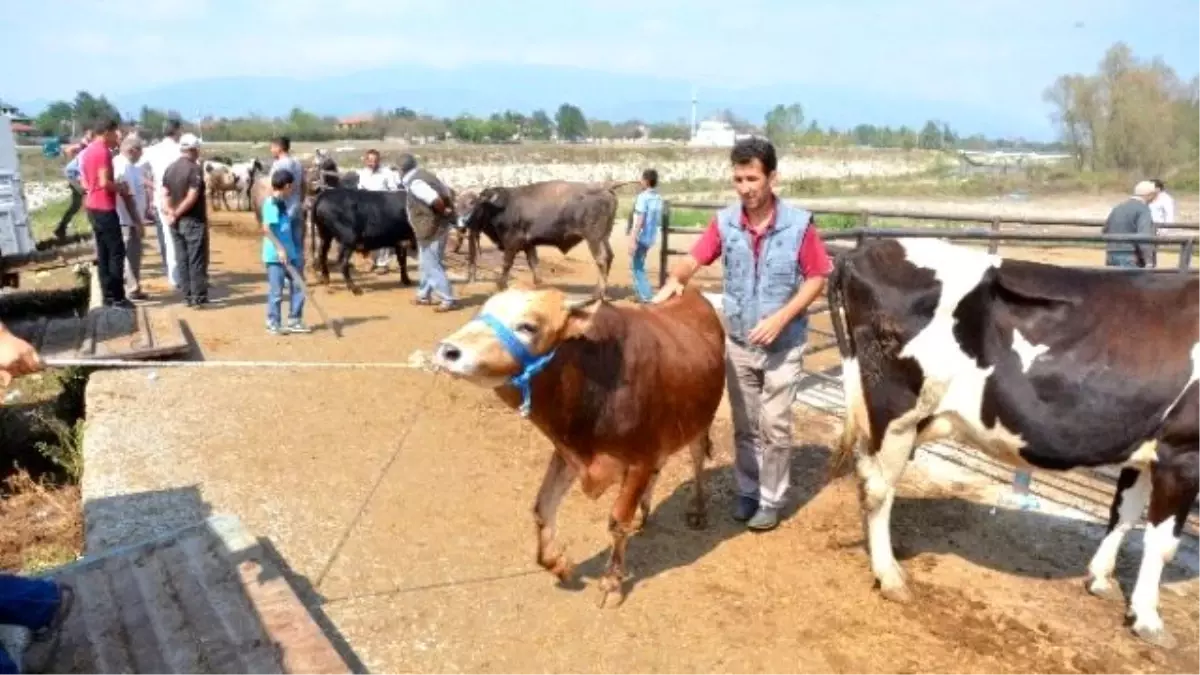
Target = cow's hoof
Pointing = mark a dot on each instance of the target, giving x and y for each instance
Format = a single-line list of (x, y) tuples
[(897, 593), (1106, 589), (1154, 633), (356, 291), (610, 585), (697, 520), (562, 568)]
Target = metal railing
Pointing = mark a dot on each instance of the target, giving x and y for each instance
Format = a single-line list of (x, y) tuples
[(841, 240)]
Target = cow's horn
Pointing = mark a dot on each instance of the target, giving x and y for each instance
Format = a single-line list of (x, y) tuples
[(578, 301)]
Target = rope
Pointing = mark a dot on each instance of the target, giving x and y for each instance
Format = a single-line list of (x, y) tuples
[(121, 363)]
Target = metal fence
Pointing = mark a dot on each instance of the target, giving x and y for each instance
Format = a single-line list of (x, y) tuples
[(840, 240)]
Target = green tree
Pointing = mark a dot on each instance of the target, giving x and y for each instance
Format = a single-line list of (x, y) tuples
[(572, 125), (930, 137), (782, 124), (55, 120), (539, 127)]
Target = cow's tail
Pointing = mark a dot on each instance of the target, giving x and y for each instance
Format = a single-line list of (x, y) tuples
[(852, 386), (314, 230), (614, 185)]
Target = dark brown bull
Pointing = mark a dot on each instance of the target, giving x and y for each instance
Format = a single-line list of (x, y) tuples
[(554, 213), (617, 390)]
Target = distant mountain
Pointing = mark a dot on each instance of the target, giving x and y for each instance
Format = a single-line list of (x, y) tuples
[(483, 89)]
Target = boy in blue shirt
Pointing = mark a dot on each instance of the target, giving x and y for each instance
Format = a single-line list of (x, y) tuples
[(647, 219), (276, 221)]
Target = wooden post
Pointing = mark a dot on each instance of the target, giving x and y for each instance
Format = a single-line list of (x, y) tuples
[(994, 245), (664, 247), (1185, 255), (866, 219)]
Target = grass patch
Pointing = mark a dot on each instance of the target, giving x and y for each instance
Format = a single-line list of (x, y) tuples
[(43, 221)]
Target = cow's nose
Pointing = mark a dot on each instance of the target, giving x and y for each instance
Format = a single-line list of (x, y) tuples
[(448, 352)]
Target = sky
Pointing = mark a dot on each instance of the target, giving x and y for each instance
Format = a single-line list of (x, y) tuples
[(985, 53)]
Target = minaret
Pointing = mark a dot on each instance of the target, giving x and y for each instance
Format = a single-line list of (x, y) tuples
[(693, 128)]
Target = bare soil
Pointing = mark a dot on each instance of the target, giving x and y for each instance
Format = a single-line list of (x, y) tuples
[(39, 504), (994, 591)]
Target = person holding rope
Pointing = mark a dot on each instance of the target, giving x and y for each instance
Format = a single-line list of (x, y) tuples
[(38, 605), (277, 233), (774, 266)]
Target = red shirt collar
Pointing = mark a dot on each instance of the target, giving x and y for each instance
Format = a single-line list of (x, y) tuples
[(744, 219)]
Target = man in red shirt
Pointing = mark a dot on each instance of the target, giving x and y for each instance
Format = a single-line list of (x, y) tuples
[(96, 167), (774, 267)]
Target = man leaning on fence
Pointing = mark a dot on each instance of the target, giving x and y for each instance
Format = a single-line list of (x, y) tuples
[(1131, 216), (774, 267)]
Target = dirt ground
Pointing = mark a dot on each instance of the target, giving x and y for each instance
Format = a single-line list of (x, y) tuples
[(401, 504)]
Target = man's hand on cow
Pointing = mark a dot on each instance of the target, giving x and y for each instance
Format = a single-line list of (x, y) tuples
[(767, 330), (17, 357), (669, 290)]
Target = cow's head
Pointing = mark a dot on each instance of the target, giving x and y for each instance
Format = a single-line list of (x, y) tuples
[(515, 329), (478, 211)]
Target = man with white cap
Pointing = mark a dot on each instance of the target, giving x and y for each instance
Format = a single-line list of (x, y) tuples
[(187, 219), (161, 155), (1131, 216)]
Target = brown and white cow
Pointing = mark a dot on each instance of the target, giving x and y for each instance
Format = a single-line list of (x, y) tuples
[(1047, 367), (616, 389)]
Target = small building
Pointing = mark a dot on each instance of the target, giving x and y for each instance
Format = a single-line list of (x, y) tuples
[(354, 122), (713, 134), (21, 124)]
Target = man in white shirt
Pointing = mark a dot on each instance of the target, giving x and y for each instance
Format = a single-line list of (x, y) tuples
[(1162, 207), (131, 210), (161, 155), (377, 178)]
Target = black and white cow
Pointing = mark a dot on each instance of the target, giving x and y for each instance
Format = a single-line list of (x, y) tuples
[(1047, 367)]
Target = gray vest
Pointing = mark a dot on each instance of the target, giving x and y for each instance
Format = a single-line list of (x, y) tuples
[(755, 291), (426, 224)]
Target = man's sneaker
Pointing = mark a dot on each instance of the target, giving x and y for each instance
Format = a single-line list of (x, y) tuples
[(446, 307), (273, 328), (744, 508), (298, 326), (123, 303), (137, 295), (765, 519)]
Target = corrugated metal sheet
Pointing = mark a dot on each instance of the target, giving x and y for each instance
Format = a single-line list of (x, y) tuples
[(206, 599)]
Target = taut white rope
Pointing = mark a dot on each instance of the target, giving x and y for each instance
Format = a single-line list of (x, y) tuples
[(414, 363)]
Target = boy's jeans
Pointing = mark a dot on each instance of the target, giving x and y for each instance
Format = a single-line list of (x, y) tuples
[(433, 275), (277, 276), (25, 602), (641, 282)]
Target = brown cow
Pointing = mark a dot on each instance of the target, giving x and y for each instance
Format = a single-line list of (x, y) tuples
[(616, 389), (556, 213)]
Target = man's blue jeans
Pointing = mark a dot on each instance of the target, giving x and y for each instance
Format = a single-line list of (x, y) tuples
[(277, 277), (433, 275), (26, 602), (1121, 259), (641, 281)]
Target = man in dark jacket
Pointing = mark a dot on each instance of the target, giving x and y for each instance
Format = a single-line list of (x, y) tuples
[(431, 212), (1131, 216)]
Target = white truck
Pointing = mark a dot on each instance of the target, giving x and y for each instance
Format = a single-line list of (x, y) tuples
[(15, 237)]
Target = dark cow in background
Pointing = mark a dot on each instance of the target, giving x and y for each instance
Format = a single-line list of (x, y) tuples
[(362, 221), (617, 390), (1046, 367), (554, 213)]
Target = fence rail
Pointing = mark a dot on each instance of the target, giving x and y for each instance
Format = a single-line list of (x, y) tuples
[(994, 235)]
